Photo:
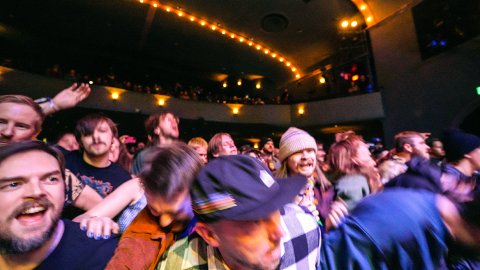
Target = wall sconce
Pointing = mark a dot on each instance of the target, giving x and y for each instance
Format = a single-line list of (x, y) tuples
[(239, 82), (300, 111), (255, 146), (322, 80), (161, 102), (115, 96), (258, 85), (225, 85), (235, 111)]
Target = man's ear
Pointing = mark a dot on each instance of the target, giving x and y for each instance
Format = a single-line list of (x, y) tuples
[(408, 148), (157, 130), (207, 233)]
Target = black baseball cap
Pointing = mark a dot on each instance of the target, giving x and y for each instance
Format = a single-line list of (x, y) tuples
[(240, 187)]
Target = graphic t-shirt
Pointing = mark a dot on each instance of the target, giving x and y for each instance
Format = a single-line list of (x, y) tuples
[(102, 180), (76, 251)]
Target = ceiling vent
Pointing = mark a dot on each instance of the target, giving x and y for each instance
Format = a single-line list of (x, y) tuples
[(274, 23)]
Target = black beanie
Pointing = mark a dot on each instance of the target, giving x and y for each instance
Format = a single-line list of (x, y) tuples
[(457, 144), (263, 141)]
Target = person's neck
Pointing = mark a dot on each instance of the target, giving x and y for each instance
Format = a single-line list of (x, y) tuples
[(464, 166), (32, 259), (97, 161), (165, 140), (405, 156)]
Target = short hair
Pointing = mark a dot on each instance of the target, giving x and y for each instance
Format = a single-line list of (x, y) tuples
[(23, 100), (215, 145), (87, 125), (153, 121), (32, 145), (171, 170), (198, 142), (431, 140), (403, 138)]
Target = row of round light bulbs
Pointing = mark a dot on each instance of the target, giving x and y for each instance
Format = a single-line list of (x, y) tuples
[(215, 27)]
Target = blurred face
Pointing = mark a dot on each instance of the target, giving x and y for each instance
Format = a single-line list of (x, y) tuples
[(203, 153), (320, 153), (474, 157), (68, 142), (437, 150), (363, 157), (173, 215), (32, 197), (100, 141), (250, 244), (114, 151), (419, 147), (268, 147), (228, 147), (17, 123), (168, 126), (302, 163)]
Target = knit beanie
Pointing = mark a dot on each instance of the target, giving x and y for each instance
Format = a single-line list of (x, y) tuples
[(457, 144), (295, 140), (263, 141)]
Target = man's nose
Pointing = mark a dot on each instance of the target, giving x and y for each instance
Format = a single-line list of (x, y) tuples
[(7, 131)]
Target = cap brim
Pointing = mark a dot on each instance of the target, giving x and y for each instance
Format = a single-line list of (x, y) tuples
[(288, 189)]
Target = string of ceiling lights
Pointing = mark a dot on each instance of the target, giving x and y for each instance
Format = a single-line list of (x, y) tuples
[(216, 27)]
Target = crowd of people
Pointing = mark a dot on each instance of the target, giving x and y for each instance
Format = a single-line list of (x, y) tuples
[(86, 202), (178, 89)]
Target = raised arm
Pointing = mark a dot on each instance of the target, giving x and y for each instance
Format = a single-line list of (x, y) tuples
[(67, 98)]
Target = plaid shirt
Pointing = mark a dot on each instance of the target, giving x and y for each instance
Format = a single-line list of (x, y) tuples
[(300, 246)]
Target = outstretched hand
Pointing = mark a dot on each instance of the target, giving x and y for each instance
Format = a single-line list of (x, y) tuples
[(97, 227), (71, 96)]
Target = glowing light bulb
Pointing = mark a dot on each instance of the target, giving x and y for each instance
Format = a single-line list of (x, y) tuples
[(281, 59), (239, 82), (141, 1), (293, 69), (168, 9), (298, 75), (90, 82), (300, 111), (192, 19), (155, 5), (369, 19), (354, 23), (232, 36), (161, 102), (258, 47), (258, 86), (235, 111), (224, 85), (241, 39), (266, 51), (250, 44), (288, 64), (363, 7), (223, 32), (213, 28), (202, 23), (344, 24), (322, 80), (274, 55), (180, 14), (115, 96)]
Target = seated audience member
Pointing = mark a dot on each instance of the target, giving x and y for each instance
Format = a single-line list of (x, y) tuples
[(353, 169), (463, 159), (167, 217), (408, 144), (298, 157), (200, 146), (245, 221), (66, 143), (95, 134), (221, 144), (22, 120), (32, 235), (437, 153), (405, 229), (162, 128)]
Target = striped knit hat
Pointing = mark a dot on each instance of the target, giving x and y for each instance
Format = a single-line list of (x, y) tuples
[(295, 140)]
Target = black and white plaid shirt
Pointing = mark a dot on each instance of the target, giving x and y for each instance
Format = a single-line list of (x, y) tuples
[(300, 247)]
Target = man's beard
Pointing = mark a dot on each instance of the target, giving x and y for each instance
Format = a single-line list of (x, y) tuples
[(14, 244)]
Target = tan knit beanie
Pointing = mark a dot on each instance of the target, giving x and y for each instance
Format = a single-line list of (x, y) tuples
[(295, 140)]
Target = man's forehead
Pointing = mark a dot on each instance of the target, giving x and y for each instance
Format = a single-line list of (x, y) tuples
[(19, 111), (43, 163)]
